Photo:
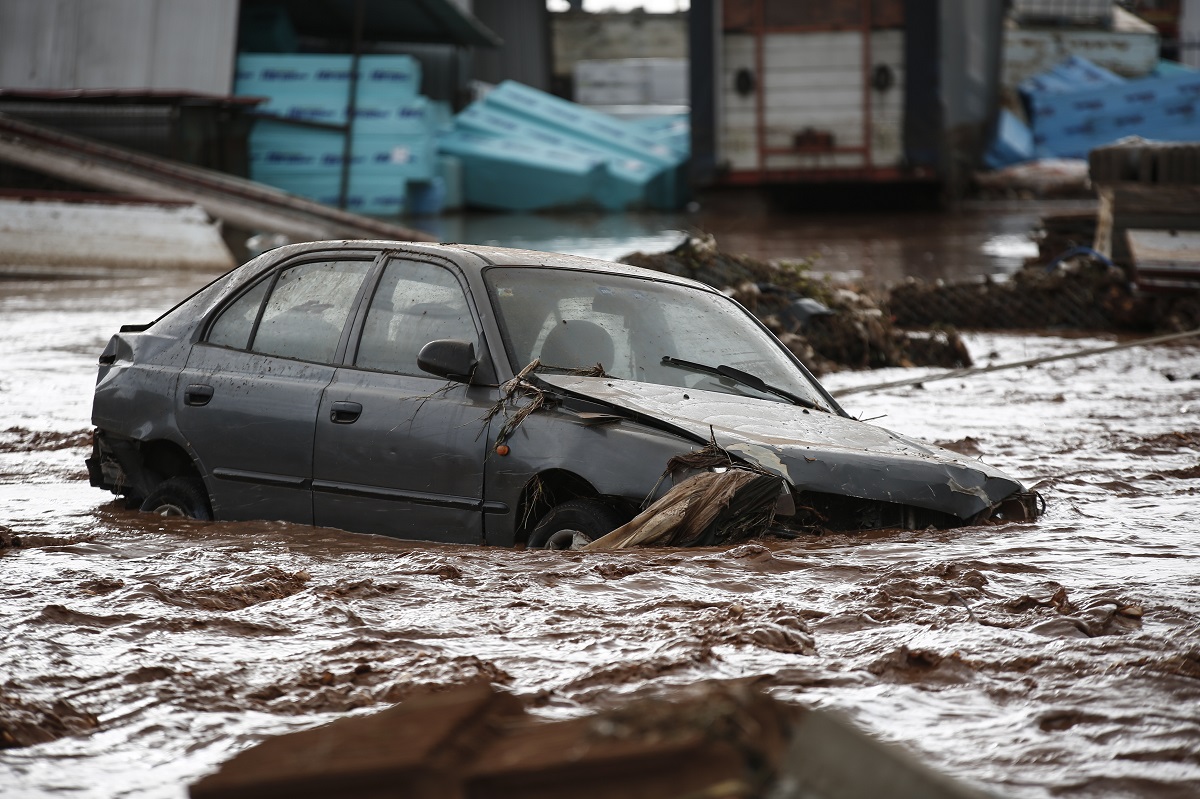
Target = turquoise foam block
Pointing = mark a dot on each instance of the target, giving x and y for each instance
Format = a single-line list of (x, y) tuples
[(626, 178), (583, 123), (380, 76), (515, 175), (283, 146), (410, 116), (364, 195)]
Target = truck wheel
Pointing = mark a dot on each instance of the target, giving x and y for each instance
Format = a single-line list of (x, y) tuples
[(179, 496), (588, 516)]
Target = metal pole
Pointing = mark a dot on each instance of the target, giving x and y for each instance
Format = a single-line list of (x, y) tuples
[(980, 370), (360, 9)]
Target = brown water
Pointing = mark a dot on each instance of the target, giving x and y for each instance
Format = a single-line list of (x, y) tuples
[(1054, 659)]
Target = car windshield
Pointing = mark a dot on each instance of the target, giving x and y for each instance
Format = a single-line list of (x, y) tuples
[(644, 330)]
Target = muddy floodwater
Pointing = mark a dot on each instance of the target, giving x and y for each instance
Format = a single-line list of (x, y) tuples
[(1034, 660)]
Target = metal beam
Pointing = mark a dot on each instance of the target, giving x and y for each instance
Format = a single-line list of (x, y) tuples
[(242, 203)]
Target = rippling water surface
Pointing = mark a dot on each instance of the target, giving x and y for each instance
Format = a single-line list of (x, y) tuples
[(1053, 659)]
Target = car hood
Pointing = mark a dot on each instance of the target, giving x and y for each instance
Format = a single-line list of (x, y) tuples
[(813, 450)]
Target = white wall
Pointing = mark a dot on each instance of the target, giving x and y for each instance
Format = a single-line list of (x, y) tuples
[(118, 44)]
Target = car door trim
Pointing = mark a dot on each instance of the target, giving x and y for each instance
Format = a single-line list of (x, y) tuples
[(265, 478), (401, 495)]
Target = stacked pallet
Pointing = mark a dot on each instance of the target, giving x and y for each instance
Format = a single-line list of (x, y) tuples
[(1150, 210)]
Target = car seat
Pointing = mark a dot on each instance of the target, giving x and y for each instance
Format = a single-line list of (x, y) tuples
[(575, 343)]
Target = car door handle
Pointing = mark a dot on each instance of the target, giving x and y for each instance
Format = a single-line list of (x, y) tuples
[(344, 412), (197, 394)]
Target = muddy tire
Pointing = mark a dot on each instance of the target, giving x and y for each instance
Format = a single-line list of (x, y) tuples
[(179, 497), (588, 516)]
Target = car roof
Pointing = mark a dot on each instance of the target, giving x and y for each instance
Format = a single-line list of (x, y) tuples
[(490, 256)]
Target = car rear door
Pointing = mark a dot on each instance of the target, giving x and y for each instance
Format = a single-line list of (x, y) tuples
[(248, 397), (400, 451)]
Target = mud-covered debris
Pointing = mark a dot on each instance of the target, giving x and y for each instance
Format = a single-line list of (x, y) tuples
[(474, 741), (8, 538), (25, 723), (827, 327), (1084, 294), (706, 509), (519, 388), (712, 739)]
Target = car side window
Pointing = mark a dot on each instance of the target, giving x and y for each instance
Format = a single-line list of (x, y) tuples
[(307, 310), (415, 303), (232, 328)]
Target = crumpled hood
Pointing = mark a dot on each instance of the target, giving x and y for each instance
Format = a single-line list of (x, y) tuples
[(812, 450)]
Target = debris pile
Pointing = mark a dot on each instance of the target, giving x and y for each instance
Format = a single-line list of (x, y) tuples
[(1080, 294), (707, 509), (712, 739), (827, 327)]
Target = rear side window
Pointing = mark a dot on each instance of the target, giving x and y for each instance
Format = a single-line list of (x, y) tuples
[(415, 303), (233, 327), (303, 317), (307, 309)]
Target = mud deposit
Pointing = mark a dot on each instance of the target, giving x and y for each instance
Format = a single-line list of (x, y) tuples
[(1056, 659)]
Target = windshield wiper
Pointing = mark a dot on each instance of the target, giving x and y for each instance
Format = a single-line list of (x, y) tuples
[(745, 378)]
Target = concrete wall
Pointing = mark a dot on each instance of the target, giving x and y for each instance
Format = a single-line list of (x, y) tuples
[(580, 36), (118, 44), (1189, 33)]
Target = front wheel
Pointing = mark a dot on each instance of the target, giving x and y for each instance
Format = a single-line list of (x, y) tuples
[(179, 497), (588, 516)]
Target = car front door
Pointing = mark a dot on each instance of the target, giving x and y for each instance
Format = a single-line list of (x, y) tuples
[(248, 397), (400, 451)]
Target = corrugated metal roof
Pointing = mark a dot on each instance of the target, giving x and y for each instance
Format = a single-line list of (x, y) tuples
[(426, 21)]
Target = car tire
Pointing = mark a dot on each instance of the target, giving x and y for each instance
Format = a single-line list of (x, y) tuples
[(588, 516), (183, 497)]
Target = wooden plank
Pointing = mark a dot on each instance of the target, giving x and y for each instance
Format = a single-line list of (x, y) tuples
[(1165, 260)]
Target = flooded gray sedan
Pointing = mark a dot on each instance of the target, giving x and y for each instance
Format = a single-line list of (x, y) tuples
[(484, 395)]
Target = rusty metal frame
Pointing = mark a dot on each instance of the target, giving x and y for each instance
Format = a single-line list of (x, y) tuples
[(764, 175), (830, 175)]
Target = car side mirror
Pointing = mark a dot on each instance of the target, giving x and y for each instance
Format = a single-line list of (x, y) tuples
[(449, 358)]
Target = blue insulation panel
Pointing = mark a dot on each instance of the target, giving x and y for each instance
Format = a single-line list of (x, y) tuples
[(515, 127), (513, 175), (379, 76), (393, 142), (583, 123), (1069, 125)]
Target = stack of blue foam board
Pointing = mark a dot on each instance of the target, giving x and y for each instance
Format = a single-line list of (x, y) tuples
[(1079, 106), (393, 142), (553, 153)]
